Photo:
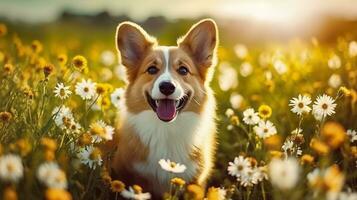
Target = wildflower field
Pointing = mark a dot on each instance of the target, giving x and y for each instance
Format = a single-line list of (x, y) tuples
[(286, 113)]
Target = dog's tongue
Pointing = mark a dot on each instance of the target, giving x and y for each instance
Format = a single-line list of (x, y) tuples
[(166, 109)]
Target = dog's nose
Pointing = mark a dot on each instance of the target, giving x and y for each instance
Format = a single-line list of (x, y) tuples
[(167, 88)]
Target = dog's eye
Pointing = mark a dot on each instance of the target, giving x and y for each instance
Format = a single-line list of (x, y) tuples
[(182, 70), (152, 70)]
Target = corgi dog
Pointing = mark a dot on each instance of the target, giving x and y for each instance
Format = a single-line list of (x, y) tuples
[(168, 109)]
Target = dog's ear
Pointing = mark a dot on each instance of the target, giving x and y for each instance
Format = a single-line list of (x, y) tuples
[(132, 42), (201, 43)]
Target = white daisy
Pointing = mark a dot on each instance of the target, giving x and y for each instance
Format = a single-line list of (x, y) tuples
[(284, 174), (107, 57), (300, 104), (265, 129), (131, 194), (11, 168), (239, 167), (85, 89), (313, 176), (117, 96), (75, 128), (250, 178), (172, 166), (347, 195), (250, 117), (90, 156), (236, 100), (227, 78), (120, 72), (108, 131), (61, 91), (246, 69), (262, 172), (324, 105), (230, 127), (352, 134), (334, 62), (62, 116), (241, 51), (288, 146), (222, 193), (52, 176), (229, 112), (334, 81), (352, 49), (280, 67)]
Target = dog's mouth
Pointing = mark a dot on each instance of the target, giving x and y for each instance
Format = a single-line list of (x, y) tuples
[(167, 109)]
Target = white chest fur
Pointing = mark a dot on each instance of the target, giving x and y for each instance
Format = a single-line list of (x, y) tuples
[(174, 141)]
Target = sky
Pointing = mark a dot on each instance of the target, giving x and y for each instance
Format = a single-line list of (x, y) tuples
[(285, 11)]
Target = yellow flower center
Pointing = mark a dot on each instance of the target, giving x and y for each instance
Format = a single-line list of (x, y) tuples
[(172, 164), (300, 105), (62, 92), (10, 167)]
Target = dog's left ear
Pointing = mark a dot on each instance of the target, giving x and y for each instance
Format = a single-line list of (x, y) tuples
[(201, 43)]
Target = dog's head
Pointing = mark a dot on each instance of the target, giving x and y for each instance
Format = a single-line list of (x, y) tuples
[(167, 79)]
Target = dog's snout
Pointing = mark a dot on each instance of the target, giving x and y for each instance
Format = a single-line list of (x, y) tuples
[(167, 88)]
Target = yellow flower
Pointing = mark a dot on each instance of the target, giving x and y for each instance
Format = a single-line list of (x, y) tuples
[(5, 116), (8, 68), (103, 88), (9, 193), (276, 154), (333, 134), (213, 194), (2, 56), (57, 194), (195, 191), (353, 151), (48, 143), (48, 69), (104, 103), (79, 62), (85, 139), (264, 111), (107, 179), (97, 129), (24, 146), (345, 91), (178, 181), (137, 189), (319, 146), (49, 155), (234, 120), (307, 159), (36, 46), (334, 179), (3, 30), (117, 186), (62, 59), (273, 142), (96, 154)]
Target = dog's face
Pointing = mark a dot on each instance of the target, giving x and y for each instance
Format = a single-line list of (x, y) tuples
[(167, 80)]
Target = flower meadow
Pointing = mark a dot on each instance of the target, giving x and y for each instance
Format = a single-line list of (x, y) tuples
[(286, 114)]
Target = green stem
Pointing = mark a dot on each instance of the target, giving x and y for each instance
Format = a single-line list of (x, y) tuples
[(263, 190)]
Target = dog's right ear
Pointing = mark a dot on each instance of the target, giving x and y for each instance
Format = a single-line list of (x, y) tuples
[(132, 42)]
